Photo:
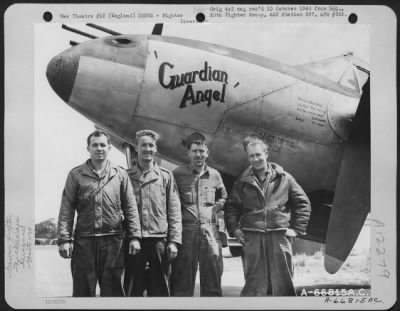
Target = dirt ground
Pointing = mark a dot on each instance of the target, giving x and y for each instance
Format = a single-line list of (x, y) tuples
[(53, 276)]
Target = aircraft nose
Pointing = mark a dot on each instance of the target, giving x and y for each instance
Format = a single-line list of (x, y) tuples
[(101, 80), (61, 73)]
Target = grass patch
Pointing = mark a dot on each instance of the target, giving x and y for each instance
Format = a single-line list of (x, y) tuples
[(309, 269)]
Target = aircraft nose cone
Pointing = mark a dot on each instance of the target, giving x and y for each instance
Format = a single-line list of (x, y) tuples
[(61, 74)]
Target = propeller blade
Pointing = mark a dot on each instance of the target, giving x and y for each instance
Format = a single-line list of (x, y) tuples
[(352, 200)]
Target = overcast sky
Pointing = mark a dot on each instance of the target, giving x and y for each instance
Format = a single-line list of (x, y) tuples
[(60, 132)]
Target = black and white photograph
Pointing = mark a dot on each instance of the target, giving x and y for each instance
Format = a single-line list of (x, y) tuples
[(201, 159)]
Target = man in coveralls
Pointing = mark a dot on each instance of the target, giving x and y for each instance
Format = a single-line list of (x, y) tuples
[(202, 195), (102, 195), (266, 210), (161, 221)]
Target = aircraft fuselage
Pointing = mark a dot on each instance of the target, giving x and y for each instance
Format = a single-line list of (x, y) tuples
[(177, 86)]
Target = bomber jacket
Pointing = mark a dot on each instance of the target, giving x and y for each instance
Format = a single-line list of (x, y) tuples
[(158, 203), (202, 196), (283, 203), (101, 202)]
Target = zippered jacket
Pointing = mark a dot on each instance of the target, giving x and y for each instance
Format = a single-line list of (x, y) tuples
[(280, 205), (158, 203), (102, 203)]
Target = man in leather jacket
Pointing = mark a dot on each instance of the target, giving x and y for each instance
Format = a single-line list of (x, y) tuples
[(101, 194), (266, 210)]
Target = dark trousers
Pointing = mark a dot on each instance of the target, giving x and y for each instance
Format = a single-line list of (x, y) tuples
[(200, 247), (267, 264), (156, 278), (98, 259)]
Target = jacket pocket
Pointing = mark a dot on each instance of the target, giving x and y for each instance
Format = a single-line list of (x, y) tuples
[(252, 198), (157, 194), (112, 218), (158, 200), (277, 218), (87, 191), (253, 220), (186, 194), (283, 208), (210, 199), (158, 224)]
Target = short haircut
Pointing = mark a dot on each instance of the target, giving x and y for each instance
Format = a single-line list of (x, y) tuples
[(254, 139), (195, 138), (98, 133), (149, 133)]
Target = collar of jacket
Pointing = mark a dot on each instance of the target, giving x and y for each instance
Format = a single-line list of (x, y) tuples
[(273, 168), (192, 171), (87, 169), (136, 173)]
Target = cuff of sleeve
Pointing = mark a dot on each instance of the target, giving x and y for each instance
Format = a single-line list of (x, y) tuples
[(59, 241), (299, 232), (179, 242), (231, 230), (134, 236)]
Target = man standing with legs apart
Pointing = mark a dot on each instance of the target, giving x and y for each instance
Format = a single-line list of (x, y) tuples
[(202, 195), (266, 210), (102, 195), (161, 221)]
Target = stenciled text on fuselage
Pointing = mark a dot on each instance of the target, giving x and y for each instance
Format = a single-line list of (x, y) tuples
[(173, 81)]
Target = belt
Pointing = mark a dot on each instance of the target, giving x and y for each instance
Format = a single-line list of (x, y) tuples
[(203, 221)]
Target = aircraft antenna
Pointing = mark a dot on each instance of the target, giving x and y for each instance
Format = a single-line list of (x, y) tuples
[(111, 32), (73, 43), (78, 31)]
